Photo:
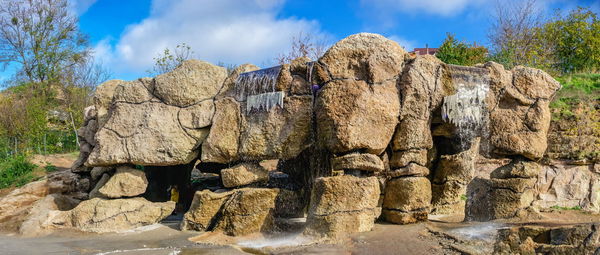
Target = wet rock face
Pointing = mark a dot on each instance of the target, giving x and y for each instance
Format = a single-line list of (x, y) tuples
[(577, 239), (260, 116)]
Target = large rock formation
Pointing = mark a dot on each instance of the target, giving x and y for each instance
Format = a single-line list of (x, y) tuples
[(365, 130), (160, 121)]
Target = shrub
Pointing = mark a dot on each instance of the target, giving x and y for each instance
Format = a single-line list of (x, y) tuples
[(50, 168), (16, 171)]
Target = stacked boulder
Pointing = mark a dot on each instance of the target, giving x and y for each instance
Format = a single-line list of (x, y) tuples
[(365, 131), (513, 188)]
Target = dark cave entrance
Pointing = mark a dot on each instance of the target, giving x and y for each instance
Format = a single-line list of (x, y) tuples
[(161, 179)]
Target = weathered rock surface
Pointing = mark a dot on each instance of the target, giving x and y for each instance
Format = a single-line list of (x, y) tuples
[(47, 214), (99, 215), (453, 174), (190, 83), (577, 239), (510, 194), (222, 143), (126, 182), (407, 200), (411, 169), (238, 212), (358, 161), (342, 204), (243, 174), (520, 117), (204, 209), (352, 115), (95, 192), (358, 106)]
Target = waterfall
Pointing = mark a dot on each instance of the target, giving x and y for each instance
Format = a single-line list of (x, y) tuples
[(258, 89), (466, 109)]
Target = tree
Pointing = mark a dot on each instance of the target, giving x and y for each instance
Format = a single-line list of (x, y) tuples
[(456, 52), (574, 40), (515, 35), (303, 45), (170, 59), (41, 37)]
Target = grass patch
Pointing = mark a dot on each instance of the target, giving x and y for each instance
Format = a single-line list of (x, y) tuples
[(574, 208), (50, 168), (16, 171), (463, 197)]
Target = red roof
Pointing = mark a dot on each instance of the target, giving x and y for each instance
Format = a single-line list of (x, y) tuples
[(425, 51)]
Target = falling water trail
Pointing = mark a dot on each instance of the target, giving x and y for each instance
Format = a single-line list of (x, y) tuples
[(258, 89), (466, 109), (309, 70)]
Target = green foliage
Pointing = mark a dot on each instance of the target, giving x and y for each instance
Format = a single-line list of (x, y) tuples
[(575, 40), (170, 59), (574, 208), (457, 52), (50, 168), (463, 197), (584, 87), (15, 171)]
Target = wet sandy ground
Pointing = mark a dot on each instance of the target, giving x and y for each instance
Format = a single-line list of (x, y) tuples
[(438, 236)]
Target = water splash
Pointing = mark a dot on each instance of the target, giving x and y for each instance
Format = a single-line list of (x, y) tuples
[(309, 70), (258, 89)]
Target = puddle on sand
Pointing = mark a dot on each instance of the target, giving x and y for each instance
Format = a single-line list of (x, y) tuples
[(483, 231)]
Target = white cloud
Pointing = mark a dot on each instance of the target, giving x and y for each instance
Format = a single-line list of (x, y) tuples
[(231, 31), (408, 45), (435, 7), (81, 6)]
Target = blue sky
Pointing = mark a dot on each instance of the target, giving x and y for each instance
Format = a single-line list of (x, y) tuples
[(127, 34)]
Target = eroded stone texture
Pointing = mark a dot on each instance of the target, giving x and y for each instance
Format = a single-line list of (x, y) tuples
[(521, 117), (453, 174), (407, 200), (510, 194), (203, 211), (126, 182), (190, 83), (342, 204), (358, 161), (358, 106), (101, 216), (243, 174), (222, 143)]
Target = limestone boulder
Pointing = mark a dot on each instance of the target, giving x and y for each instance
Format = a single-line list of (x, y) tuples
[(412, 169), (404, 158), (407, 194), (407, 200), (519, 110), (281, 133), (243, 174), (15, 206), (101, 216), (343, 194), (103, 98), (144, 134), (341, 205), (126, 182), (204, 209), (47, 214), (517, 169), (248, 211), (190, 83), (367, 57), (221, 145), (95, 192), (338, 225), (353, 115), (358, 161), (237, 212)]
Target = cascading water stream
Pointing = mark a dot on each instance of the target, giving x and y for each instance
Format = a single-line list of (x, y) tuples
[(466, 109), (258, 89)]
